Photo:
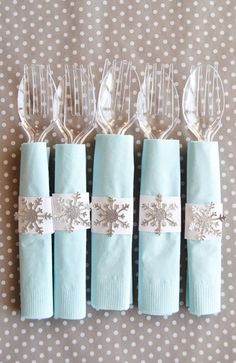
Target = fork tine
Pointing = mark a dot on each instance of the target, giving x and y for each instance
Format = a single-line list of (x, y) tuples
[(191, 68), (83, 92), (116, 82), (151, 89), (65, 96), (76, 90), (146, 90), (27, 98), (149, 82), (86, 91), (68, 92), (170, 93), (35, 90), (148, 86), (105, 68), (161, 90), (155, 88), (121, 85), (43, 110), (90, 83), (126, 85), (50, 91)]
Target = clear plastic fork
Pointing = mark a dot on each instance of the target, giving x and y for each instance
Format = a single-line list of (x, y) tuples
[(117, 97), (77, 102), (38, 103)]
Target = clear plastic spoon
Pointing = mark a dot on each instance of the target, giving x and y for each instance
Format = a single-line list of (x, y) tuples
[(203, 101), (158, 102)]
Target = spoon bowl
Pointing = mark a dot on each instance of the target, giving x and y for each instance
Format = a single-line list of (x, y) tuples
[(203, 101), (158, 102)]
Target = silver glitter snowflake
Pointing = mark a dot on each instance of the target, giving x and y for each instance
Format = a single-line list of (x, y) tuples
[(73, 212), (205, 221), (31, 216), (158, 214), (111, 215)]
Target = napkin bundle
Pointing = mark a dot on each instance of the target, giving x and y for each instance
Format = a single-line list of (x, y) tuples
[(204, 251), (113, 178), (159, 253), (70, 246), (35, 248)]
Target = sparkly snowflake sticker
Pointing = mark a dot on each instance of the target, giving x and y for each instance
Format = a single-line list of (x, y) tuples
[(111, 216), (158, 214), (205, 221), (72, 211), (31, 215)]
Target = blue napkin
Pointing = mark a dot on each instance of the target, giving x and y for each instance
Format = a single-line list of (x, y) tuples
[(35, 249), (112, 256), (159, 255), (204, 257), (70, 247)]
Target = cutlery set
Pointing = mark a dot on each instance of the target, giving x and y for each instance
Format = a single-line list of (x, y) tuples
[(59, 288)]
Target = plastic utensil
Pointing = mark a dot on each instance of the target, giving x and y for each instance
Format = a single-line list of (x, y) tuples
[(117, 97), (203, 101), (158, 102), (77, 104), (38, 103)]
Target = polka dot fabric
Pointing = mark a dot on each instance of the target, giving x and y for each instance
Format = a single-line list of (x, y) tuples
[(58, 32)]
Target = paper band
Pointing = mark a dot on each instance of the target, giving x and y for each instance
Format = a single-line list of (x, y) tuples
[(112, 215), (203, 221), (35, 215), (159, 214), (71, 212)]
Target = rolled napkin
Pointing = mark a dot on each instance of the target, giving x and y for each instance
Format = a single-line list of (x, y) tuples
[(112, 219), (35, 228), (71, 209), (203, 224), (159, 228)]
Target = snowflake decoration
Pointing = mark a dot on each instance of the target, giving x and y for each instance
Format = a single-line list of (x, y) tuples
[(205, 221), (111, 215), (158, 214), (73, 212), (31, 215)]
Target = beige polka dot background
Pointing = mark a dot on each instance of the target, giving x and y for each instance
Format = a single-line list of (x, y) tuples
[(163, 31)]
